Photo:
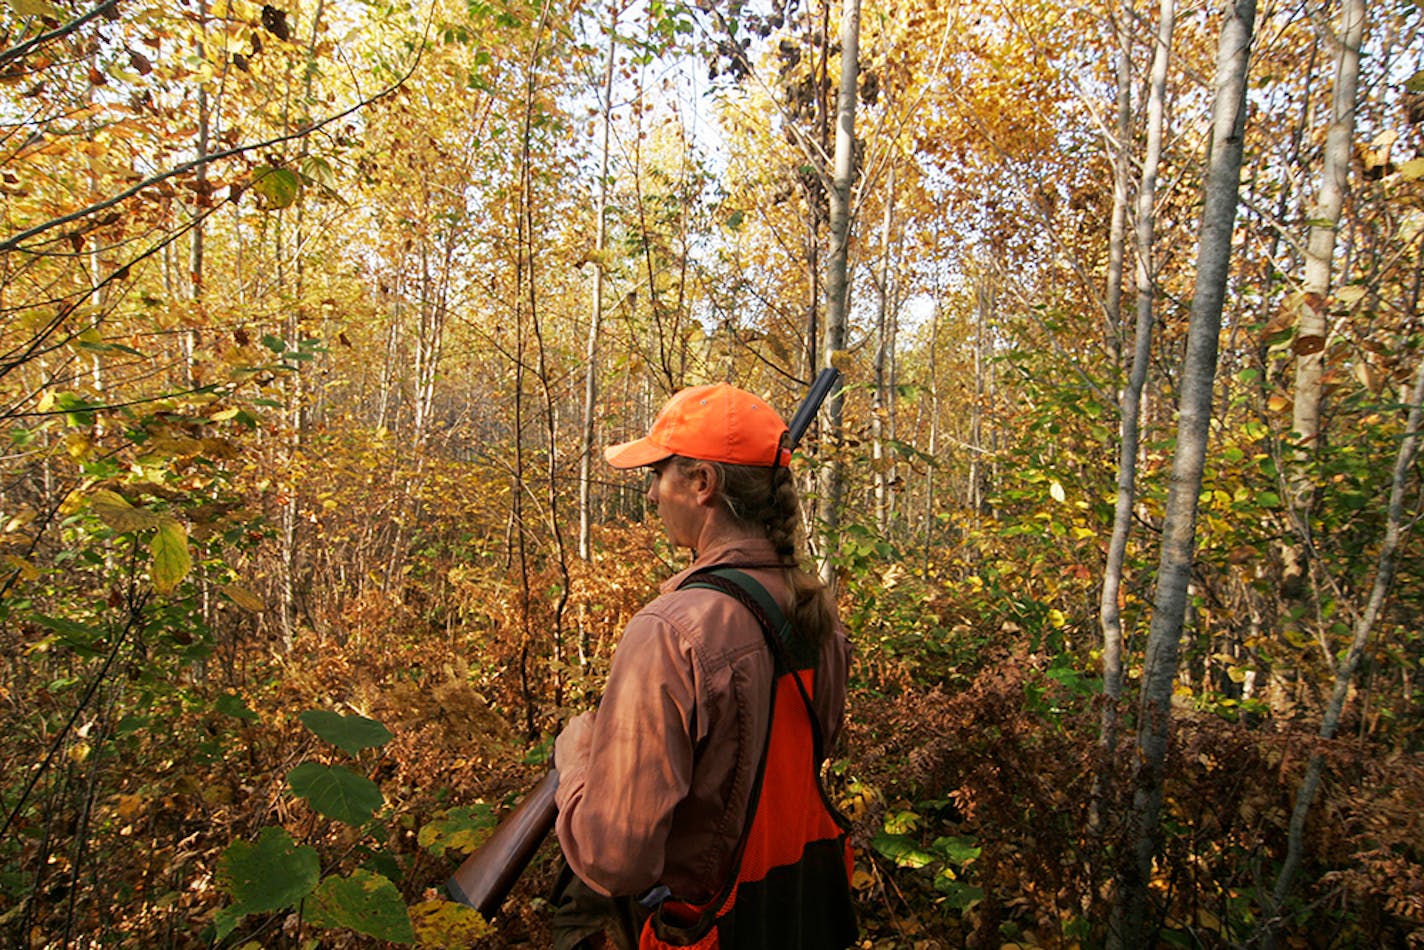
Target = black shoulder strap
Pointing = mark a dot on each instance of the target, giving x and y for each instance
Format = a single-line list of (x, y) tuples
[(788, 652)]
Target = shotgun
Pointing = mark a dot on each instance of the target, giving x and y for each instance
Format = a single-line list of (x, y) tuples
[(486, 877)]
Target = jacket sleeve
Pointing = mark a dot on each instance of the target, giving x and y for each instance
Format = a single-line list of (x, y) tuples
[(831, 677), (616, 803)]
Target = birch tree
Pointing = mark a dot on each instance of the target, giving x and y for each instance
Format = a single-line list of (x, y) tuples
[(837, 279), (1130, 919), (1110, 612), (1311, 327)]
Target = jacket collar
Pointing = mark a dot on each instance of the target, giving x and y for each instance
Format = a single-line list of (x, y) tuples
[(749, 552)]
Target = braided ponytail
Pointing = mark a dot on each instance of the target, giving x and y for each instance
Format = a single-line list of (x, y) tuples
[(772, 504)]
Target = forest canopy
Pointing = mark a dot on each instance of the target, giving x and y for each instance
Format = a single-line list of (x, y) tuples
[(315, 316)]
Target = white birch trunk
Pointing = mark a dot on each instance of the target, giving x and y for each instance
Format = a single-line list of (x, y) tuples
[(1144, 227), (1311, 326), (837, 280)]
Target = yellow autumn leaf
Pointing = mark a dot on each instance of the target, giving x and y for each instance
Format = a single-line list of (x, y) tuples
[(1412, 170), (115, 511), (27, 570), (35, 8), (1055, 489), (171, 560), (445, 924), (244, 598)]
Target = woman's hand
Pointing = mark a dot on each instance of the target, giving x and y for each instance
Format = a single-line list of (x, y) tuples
[(571, 747)]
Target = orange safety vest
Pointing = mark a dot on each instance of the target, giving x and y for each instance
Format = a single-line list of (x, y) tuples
[(790, 887)]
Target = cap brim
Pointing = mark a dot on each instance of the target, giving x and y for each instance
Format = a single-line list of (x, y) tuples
[(634, 454)]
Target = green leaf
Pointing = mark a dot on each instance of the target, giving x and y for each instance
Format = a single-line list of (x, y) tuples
[(901, 822), (350, 734), (318, 172), (1415, 83), (80, 637), (231, 705), (272, 874), (462, 829), (364, 902), (904, 851), (959, 896), (171, 560), (956, 850), (276, 188), (336, 792), (115, 511)]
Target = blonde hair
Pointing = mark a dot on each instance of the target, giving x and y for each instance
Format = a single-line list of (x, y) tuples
[(756, 496)]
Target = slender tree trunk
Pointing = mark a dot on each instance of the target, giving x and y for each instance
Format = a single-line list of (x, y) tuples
[(1395, 527), (600, 244), (1109, 608), (933, 370), (1311, 327), (1122, 164), (837, 279), (884, 398), (1131, 925), (983, 313)]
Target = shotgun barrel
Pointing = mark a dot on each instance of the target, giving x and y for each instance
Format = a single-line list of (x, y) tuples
[(487, 876), (820, 389)]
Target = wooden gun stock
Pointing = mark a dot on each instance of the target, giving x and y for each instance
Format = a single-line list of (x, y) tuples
[(488, 874)]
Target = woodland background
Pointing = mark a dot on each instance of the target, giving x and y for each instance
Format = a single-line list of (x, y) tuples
[(310, 314)]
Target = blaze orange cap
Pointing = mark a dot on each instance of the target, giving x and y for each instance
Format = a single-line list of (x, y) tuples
[(717, 423)]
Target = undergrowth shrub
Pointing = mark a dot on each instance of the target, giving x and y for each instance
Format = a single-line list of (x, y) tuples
[(974, 811)]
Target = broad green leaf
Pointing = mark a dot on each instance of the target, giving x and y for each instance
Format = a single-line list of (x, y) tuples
[(350, 734), (461, 829), (959, 895), (446, 925), (336, 792), (364, 902), (957, 850), (171, 560), (276, 188), (1415, 83), (272, 874), (115, 511), (904, 851), (231, 705), (80, 637)]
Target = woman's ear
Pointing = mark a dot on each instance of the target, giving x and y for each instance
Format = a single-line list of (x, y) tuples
[(703, 482)]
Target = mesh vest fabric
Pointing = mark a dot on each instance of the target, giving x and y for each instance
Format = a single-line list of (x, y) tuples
[(791, 886)]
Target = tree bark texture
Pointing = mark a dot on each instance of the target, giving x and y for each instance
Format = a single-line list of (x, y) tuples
[(837, 277), (1110, 612), (1131, 925), (1311, 327)]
